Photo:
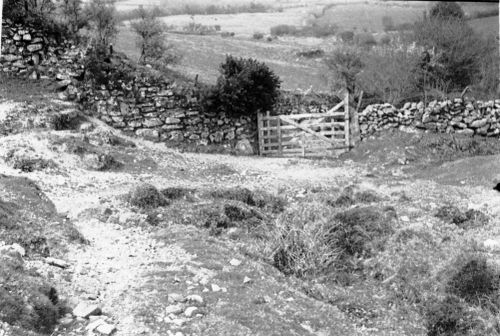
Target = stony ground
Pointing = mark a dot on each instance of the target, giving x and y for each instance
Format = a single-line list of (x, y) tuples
[(176, 279)]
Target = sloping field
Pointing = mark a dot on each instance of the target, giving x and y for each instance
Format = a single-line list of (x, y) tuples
[(202, 55)]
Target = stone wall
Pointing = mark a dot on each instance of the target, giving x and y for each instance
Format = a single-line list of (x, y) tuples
[(167, 111), (29, 51), (450, 116)]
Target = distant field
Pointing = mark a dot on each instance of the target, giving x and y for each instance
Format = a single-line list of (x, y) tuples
[(244, 24), (486, 26), (202, 56)]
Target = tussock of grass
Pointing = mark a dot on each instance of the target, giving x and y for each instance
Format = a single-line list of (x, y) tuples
[(312, 239), (367, 196), (448, 317), (468, 219), (476, 282), (146, 196), (261, 199), (173, 193)]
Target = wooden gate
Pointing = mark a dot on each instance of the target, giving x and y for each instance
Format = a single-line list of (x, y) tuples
[(308, 134)]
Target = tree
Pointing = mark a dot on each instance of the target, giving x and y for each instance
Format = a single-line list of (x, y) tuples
[(244, 87), (446, 11), (151, 39), (457, 52), (345, 65), (73, 16), (101, 15)]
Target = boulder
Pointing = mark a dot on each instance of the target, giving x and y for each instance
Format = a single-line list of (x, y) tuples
[(244, 147)]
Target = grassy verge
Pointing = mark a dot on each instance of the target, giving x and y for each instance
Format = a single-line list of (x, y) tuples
[(30, 225)]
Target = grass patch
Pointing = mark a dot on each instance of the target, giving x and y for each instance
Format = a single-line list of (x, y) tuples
[(29, 218), (26, 300)]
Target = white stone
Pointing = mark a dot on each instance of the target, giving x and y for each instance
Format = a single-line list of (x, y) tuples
[(85, 310), (189, 311), (492, 245), (106, 329), (91, 326), (235, 262), (194, 298), (215, 288), (174, 309), (56, 262)]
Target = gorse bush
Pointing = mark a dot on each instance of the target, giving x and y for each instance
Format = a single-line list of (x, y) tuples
[(244, 87), (146, 196)]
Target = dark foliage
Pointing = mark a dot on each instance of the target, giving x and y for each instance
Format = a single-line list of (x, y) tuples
[(446, 10), (244, 87)]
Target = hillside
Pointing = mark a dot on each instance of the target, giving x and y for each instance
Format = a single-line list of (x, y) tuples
[(202, 52)]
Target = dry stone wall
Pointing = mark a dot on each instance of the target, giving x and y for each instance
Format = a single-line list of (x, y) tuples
[(450, 116), (167, 111), (29, 51)]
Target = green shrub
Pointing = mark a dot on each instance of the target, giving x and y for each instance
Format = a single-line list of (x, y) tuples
[(146, 196), (476, 282), (244, 87)]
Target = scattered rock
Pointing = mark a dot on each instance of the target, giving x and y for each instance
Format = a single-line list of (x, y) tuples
[(84, 310), (94, 324), (194, 298), (106, 329), (174, 309), (215, 288), (56, 262), (173, 297), (189, 311)]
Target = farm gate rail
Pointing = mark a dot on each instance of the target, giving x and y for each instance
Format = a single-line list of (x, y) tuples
[(307, 134)]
